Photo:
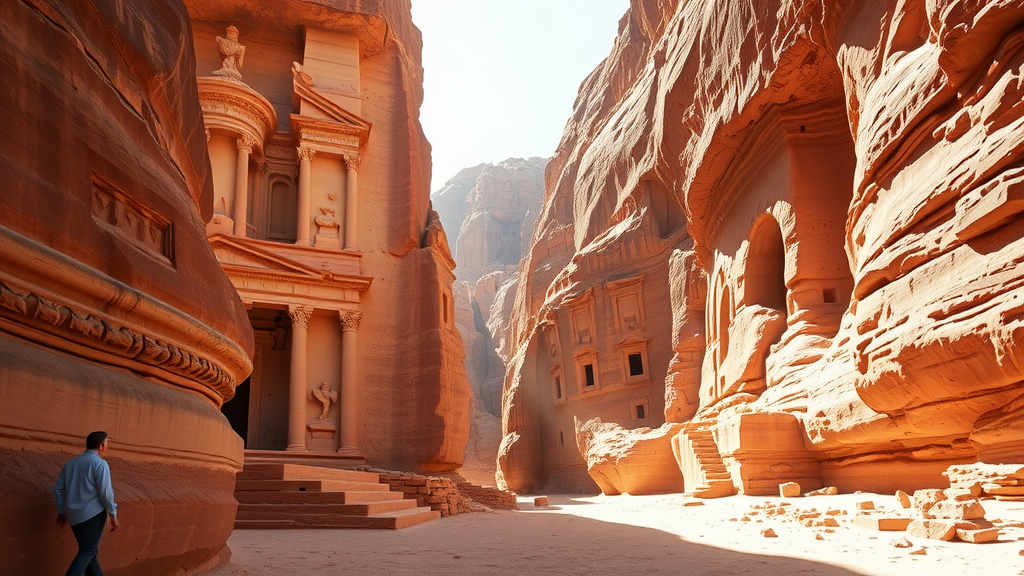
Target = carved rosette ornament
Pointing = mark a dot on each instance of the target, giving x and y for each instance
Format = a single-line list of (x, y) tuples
[(245, 143), (305, 153), (352, 162), (349, 320), (300, 315)]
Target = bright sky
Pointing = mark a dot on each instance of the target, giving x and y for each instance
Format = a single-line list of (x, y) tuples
[(500, 76)]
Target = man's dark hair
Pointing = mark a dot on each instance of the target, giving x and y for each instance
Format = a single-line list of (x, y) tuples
[(94, 440)]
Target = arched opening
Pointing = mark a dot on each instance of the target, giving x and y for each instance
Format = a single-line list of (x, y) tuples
[(765, 276)]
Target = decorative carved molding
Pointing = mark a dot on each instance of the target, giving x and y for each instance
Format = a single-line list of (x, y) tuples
[(130, 220), (349, 320), (105, 335), (300, 315), (235, 108), (352, 161), (305, 153), (246, 143)]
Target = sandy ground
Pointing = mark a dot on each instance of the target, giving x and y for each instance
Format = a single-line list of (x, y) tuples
[(584, 535)]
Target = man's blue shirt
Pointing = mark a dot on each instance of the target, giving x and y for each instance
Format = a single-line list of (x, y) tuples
[(83, 488)]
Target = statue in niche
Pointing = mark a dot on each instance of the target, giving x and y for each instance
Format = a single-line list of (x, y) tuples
[(232, 54), (328, 226), (326, 397)]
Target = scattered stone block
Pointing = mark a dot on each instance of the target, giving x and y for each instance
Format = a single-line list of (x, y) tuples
[(789, 490), (818, 536), (692, 502), (956, 510), (932, 529), (769, 533), (959, 494), (540, 501), (826, 491), (883, 523), (903, 498), (865, 505), (900, 543), (978, 536), (919, 552), (975, 524), (925, 499), (1000, 490)]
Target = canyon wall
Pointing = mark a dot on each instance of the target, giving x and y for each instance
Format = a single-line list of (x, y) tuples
[(493, 209), (114, 314), (818, 203)]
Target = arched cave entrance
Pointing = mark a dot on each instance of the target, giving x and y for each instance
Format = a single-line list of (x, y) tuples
[(765, 274)]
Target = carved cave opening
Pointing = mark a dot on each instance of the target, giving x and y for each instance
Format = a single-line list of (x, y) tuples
[(765, 276)]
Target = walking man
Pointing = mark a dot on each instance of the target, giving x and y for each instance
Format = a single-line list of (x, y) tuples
[(84, 499)]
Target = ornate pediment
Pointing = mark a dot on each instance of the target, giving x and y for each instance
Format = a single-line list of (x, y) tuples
[(336, 127), (236, 256)]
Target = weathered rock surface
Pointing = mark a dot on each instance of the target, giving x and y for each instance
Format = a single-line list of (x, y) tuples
[(851, 168), (114, 314), (625, 461), (493, 208)]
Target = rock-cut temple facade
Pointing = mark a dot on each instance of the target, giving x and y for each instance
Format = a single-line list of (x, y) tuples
[(216, 243)]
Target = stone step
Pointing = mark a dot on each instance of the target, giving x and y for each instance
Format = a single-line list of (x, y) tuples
[(309, 485), (303, 472), (292, 511), (395, 520), (346, 497)]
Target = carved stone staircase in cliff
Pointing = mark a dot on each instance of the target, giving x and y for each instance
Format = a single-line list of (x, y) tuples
[(283, 496), (704, 471)]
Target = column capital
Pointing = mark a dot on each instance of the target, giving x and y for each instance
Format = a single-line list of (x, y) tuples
[(349, 320), (246, 143), (305, 153), (352, 161), (300, 314)]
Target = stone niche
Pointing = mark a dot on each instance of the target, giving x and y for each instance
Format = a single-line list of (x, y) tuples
[(114, 315)]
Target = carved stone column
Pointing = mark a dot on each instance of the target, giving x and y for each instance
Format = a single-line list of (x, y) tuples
[(305, 173), (349, 412), (245, 145), (351, 191), (297, 378)]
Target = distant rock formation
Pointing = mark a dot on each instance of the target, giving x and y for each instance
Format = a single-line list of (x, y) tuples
[(494, 209), (800, 223)]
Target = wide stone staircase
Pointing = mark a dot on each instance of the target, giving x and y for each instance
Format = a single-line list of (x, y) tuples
[(282, 496), (704, 473)]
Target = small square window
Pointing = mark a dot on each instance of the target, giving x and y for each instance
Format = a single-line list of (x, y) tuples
[(636, 364), (829, 295), (588, 373), (641, 412)]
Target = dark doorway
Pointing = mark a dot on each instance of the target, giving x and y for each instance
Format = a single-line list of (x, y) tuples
[(236, 411)]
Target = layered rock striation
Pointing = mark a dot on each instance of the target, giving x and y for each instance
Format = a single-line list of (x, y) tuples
[(818, 200)]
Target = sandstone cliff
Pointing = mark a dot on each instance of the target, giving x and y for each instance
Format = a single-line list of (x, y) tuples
[(494, 209), (818, 199)]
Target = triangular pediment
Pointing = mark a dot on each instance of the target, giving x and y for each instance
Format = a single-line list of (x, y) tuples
[(233, 254), (302, 84)]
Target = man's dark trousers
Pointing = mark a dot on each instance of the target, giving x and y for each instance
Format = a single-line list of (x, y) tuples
[(88, 534)]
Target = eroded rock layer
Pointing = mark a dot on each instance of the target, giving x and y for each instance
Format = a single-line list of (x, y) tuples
[(114, 314), (827, 193)]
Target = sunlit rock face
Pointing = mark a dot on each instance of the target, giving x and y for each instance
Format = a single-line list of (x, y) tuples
[(323, 222), (114, 314), (494, 209), (844, 288)]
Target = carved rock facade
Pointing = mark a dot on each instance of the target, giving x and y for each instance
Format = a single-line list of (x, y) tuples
[(825, 192), (322, 222), (114, 315)]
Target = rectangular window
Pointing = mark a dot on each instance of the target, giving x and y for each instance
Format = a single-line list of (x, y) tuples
[(641, 412), (558, 387), (636, 364), (829, 295), (588, 372)]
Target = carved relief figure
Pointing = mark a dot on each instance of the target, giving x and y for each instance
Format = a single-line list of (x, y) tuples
[(232, 54), (326, 397)]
